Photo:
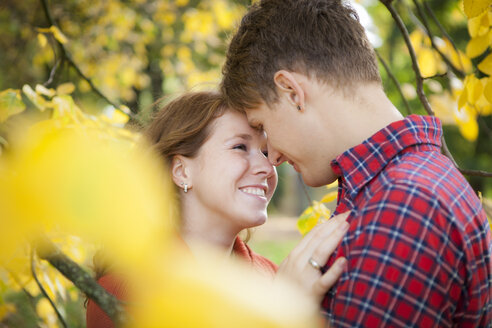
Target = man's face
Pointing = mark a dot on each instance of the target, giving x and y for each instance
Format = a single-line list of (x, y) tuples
[(290, 139)]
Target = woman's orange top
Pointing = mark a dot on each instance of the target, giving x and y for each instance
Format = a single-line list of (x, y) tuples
[(96, 318)]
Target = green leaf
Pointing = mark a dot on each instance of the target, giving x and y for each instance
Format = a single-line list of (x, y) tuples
[(10, 104)]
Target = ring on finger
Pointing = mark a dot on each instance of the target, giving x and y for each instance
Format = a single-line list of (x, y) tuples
[(314, 264)]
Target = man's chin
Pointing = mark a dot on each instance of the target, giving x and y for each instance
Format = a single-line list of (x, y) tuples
[(318, 181)]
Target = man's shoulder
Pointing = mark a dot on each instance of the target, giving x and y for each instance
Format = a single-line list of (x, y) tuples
[(432, 178), (426, 171)]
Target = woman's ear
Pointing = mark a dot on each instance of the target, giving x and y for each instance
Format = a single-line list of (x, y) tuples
[(289, 86), (181, 172)]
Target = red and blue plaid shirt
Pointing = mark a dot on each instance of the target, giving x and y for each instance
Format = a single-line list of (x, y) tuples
[(419, 244)]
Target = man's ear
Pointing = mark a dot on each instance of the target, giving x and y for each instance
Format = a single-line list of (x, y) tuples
[(288, 86), (181, 172)]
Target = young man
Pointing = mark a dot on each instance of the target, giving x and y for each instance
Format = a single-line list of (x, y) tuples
[(419, 245)]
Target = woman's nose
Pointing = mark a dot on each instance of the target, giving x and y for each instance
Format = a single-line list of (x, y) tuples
[(264, 166)]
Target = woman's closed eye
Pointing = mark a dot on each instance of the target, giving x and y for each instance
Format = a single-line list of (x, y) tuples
[(241, 147)]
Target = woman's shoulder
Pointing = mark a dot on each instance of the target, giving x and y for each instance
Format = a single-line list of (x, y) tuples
[(242, 250), (95, 317)]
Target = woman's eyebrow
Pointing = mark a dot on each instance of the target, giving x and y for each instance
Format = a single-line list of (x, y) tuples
[(244, 136)]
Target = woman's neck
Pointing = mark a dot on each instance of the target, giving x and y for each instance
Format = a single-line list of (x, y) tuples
[(199, 229), (197, 240)]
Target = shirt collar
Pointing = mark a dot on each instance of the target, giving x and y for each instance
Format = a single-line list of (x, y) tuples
[(360, 164)]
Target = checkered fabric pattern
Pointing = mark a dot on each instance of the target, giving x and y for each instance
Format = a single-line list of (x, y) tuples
[(419, 244)]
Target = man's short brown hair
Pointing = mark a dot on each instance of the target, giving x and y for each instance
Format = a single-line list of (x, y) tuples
[(320, 38)]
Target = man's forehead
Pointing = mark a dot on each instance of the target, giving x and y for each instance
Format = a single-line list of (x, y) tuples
[(256, 110), (253, 119)]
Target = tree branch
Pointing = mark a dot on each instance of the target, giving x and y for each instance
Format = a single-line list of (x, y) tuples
[(420, 90), (43, 291), (459, 73), (435, 76), (476, 173), (53, 71), (65, 55), (395, 82), (442, 29), (24, 290), (82, 280)]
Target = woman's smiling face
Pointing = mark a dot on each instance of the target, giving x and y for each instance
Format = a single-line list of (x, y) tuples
[(231, 176)]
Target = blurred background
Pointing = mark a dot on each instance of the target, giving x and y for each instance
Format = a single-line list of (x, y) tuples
[(118, 57)]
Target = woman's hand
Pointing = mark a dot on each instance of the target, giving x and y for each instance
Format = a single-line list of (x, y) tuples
[(303, 264)]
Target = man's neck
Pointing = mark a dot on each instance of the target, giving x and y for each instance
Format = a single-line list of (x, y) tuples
[(356, 117)]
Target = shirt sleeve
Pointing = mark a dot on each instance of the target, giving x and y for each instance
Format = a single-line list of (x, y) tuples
[(406, 264), (95, 316)]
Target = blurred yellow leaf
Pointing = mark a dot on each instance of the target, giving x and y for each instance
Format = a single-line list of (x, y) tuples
[(474, 25), (444, 106), (6, 309), (474, 88), (334, 184), (488, 90), (42, 90), (486, 65), (42, 40), (10, 104), (474, 8), (55, 31), (307, 220), (409, 91), (457, 57), (322, 210), (46, 312), (119, 117), (427, 62), (478, 45), (416, 38), (183, 53), (467, 123), (220, 294), (115, 117), (35, 98), (90, 183), (65, 88), (329, 197), (59, 36), (483, 105), (469, 129), (182, 3), (311, 216), (463, 98), (168, 50)]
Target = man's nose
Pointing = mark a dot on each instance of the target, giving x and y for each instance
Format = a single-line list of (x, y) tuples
[(274, 156)]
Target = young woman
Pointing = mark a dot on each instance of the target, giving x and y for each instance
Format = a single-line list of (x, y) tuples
[(224, 181)]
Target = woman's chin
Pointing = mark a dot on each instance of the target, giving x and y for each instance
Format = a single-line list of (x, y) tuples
[(256, 221)]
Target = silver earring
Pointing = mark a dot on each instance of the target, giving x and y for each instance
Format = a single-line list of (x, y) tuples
[(185, 188)]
